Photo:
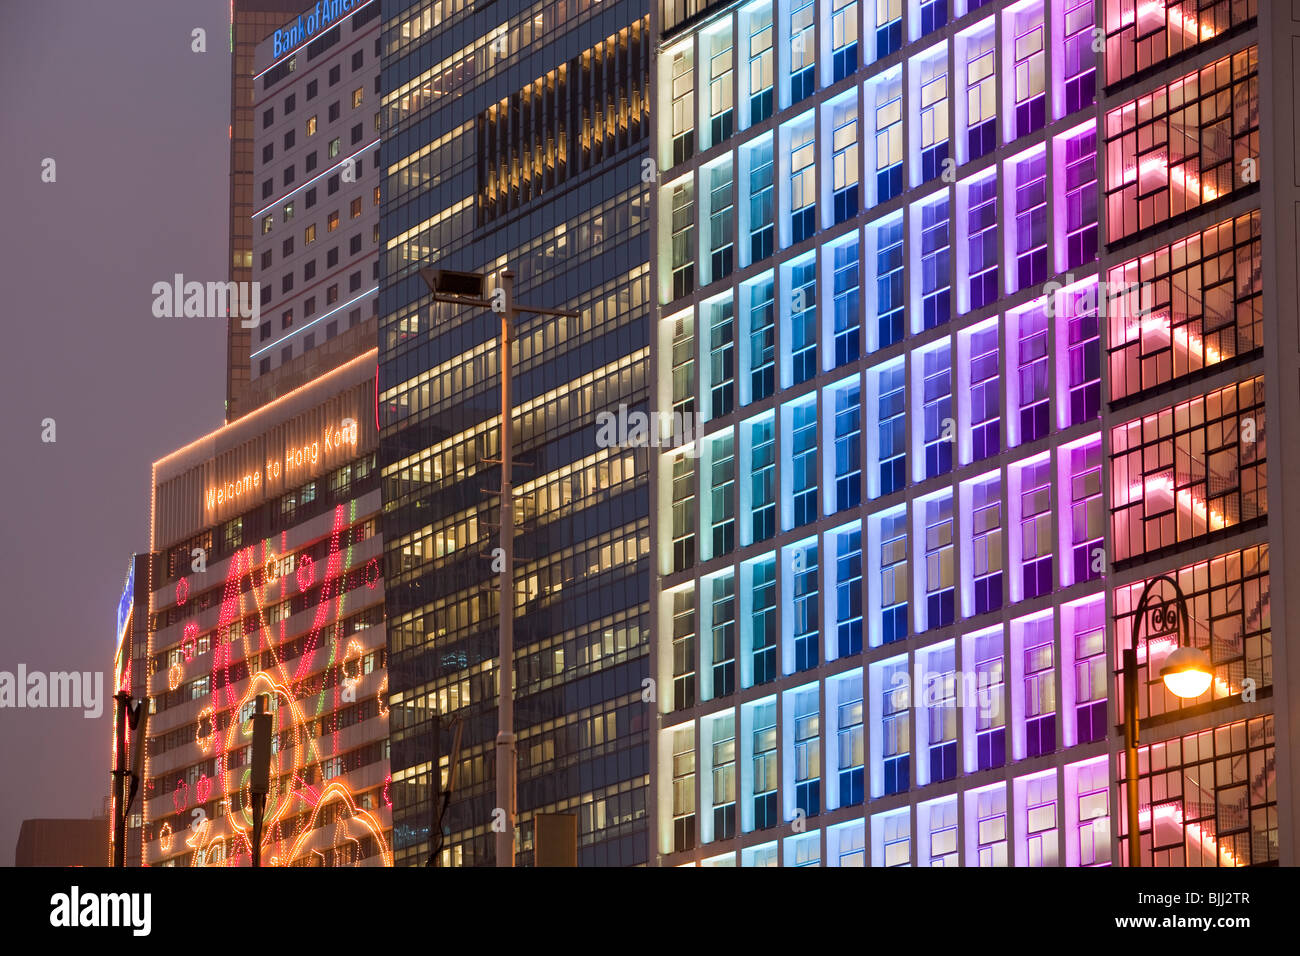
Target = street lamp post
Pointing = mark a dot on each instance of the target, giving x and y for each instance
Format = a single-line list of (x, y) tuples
[(467, 289), (1187, 673)]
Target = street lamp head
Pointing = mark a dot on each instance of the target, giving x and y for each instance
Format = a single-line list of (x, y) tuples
[(1187, 672)]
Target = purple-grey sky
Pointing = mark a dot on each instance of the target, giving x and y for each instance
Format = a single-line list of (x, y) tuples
[(137, 124)]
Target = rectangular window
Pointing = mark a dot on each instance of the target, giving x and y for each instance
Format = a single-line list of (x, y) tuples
[(721, 222), (683, 650), (1039, 662), (760, 63), (848, 446), (985, 394), (762, 340), (1029, 72), (803, 181), (807, 752), (1083, 357), (889, 138), (724, 777), (1081, 199), (1142, 34), (1089, 672), (723, 485), (803, 320), (844, 38), (936, 286), (723, 631), (1187, 471), (896, 721), (934, 117), (893, 577), (683, 238), (982, 242), (1040, 820), (845, 159), (890, 295), (763, 479), (761, 223), (986, 545), (764, 622), (1182, 145), (1031, 221), (892, 425), (889, 26), (939, 427), (1092, 810), (1087, 517), (851, 743), (764, 775), (990, 716), (683, 490), (941, 712), (1032, 376), (721, 106), (683, 358), (684, 789), (805, 620), (1036, 530), (847, 305), (683, 106), (722, 359), (991, 826), (803, 462), (981, 97), (803, 49), (940, 590), (848, 593)]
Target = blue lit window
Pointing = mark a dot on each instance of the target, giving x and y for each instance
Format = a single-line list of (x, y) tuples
[(848, 447), (851, 743), (765, 770), (934, 14), (844, 38), (941, 713), (986, 546), (889, 26), (981, 97), (803, 462), (760, 63), (722, 359), (893, 577), (848, 593), (896, 726), (803, 321), (892, 418), (803, 49), (807, 752), (761, 228), (1081, 198), (985, 396), (939, 427), (1031, 221), (889, 282), (934, 118), (763, 479), (721, 211), (723, 482), (805, 622), (889, 139), (848, 328), (940, 584), (982, 244), (1032, 376), (764, 621), (803, 182), (936, 289), (990, 715), (762, 341), (844, 161), (1036, 529), (724, 635)]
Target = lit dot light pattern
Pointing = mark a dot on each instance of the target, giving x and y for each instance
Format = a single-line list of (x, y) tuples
[(293, 805)]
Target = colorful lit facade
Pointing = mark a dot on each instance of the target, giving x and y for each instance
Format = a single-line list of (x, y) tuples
[(968, 297), (129, 675), (269, 582), (315, 210), (514, 137)]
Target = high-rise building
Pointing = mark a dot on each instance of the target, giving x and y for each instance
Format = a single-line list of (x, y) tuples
[(514, 137), (315, 208), (250, 22), (268, 582), (896, 571)]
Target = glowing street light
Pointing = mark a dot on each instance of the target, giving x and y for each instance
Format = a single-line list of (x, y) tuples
[(1187, 672)]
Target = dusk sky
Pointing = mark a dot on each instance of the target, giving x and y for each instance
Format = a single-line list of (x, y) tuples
[(137, 124)]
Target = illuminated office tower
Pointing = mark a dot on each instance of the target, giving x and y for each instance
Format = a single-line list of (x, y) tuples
[(268, 583), (315, 210), (514, 136), (250, 22), (894, 575)]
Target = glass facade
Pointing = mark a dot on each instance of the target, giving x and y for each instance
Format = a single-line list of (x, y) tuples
[(962, 503), (520, 146)]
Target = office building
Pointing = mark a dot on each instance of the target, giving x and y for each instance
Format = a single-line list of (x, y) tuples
[(315, 211), (514, 137), (269, 583), (973, 302)]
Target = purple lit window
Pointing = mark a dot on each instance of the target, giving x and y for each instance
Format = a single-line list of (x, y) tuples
[(936, 288), (1031, 221), (1087, 517), (1030, 77), (1092, 791), (938, 423), (895, 721), (939, 582), (893, 578), (986, 545), (985, 402), (1080, 60), (1081, 199), (1032, 376), (1090, 672), (981, 97), (941, 713), (1039, 688), (1036, 529), (889, 283), (990, 717), (991, 826), (982, 244), (848, 299), (1084, 358), (1040, 820)]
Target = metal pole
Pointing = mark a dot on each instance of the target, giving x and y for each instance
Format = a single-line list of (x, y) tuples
[(505, 744), (1131, 755), (122, 699)]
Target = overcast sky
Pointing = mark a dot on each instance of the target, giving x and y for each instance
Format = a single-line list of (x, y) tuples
[(137, 124)]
